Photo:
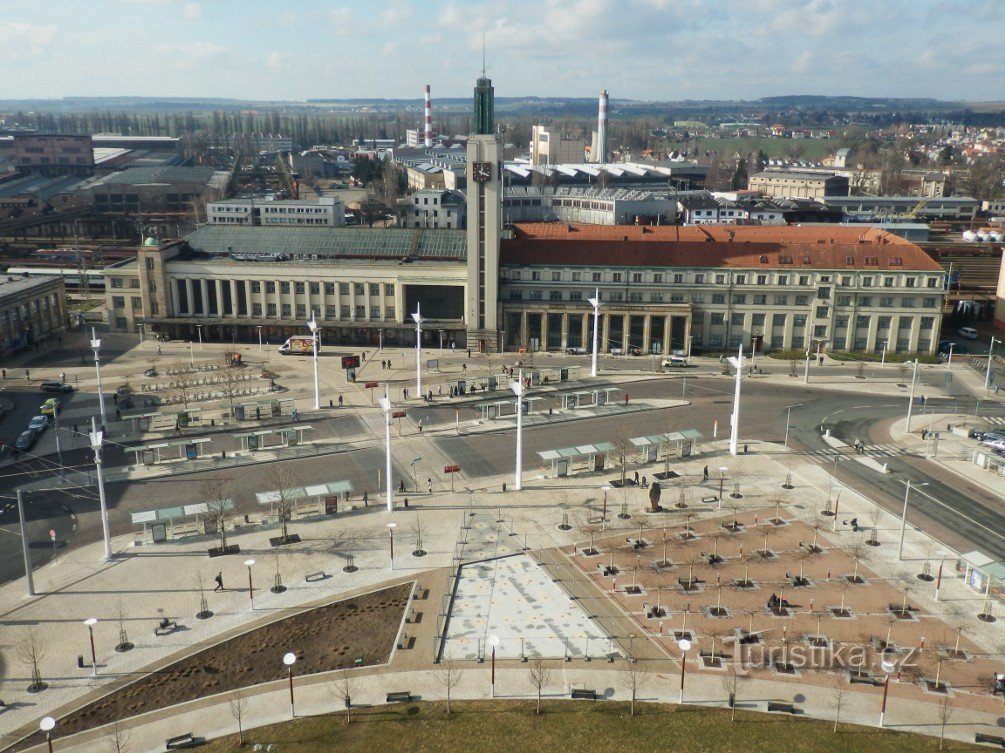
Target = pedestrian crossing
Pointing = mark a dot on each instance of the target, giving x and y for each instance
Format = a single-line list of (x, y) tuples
[(871, 451), (999, 420)]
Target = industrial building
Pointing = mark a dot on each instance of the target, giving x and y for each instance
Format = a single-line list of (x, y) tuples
[(326, 211), (798, 185)]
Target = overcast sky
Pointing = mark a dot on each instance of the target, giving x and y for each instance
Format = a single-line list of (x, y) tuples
[(639, 49)]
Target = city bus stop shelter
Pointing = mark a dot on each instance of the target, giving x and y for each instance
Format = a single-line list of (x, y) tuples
[(581, 459), (673, 443), (287, 436), (189, 448), (162, 520), (305, 500)]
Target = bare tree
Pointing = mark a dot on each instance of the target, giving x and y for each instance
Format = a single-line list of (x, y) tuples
[(632, 678), (539, 676), (238, 708), (623, 447), (31, 654), (344, 687), (450, 674), (837, 700), (730, 685), (219, 504), (284, 482), (118, 738), (945, 712)]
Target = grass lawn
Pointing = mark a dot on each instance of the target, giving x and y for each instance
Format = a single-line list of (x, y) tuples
[(512, 727), (812, 149)]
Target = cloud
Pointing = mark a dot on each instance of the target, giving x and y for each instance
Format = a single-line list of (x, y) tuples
[(190, 56), (389, 49), (803, 63), (20, 40), (396, 12), (191, 11), (277, 61)]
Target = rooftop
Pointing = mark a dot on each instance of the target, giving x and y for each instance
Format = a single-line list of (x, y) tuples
[(16, 285), (829, 247), (138, 176), (329, 243)]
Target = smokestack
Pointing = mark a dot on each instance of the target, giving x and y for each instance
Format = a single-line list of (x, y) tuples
[(429, 120), (601, 155)]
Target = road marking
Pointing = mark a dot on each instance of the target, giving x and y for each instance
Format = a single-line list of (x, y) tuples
[(839, 410), (859, 407)]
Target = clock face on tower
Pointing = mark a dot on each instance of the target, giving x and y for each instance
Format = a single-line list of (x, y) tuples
[(481, 171)]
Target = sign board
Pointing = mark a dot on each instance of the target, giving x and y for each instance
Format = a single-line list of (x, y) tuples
[(350, 362), (331, 504), (371, 385), (451, 469), (158, 532), (191, 451), (398, 414)]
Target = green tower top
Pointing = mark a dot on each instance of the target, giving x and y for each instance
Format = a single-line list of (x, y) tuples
[(484, 106)]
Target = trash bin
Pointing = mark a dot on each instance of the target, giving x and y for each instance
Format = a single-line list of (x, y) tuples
[(80, 662), (504, 486)]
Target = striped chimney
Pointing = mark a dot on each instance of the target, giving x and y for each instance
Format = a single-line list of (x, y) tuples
[(429, 120)]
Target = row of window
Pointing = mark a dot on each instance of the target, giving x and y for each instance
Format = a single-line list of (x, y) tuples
[(864, 301), (722, 278), (301, 288), (799, 320), (798, 341), (285, 311), (22, 311)]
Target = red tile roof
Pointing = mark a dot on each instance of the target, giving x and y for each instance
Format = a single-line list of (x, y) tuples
[(831, 247)]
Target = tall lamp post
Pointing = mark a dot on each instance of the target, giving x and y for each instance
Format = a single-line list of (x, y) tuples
[(390, 534), (47, 724), (949, 361), (882, 360), (684, 645), (385, 405), (903, 516), (734, 419), (91, 622), (95, 345), (24, 544), (56, 408), (251, 586), (519, 389), (595, 302), (991, 350), (198, 328), (417, 318), (888, 667), (312, 325), (96, 438), (910, 397), (493, 641), (259, 328), (289, 659), (788, 421)]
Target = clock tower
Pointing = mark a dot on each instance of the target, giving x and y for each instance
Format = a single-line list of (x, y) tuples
[(484, 182)]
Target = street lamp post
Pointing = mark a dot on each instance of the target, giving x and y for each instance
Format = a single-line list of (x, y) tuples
[(143, 334), (289, 659), (910, 399), (903, 516), (603, 513), (251, 586), (385, 404), (95, 345), (198, 329), (191, 354), (312, 325), (417, 318), (722, 482), (949, 361), (91, 622), (595, 302), (259, 328), (806, 369), (47, 724), (390, 534), (788, 417), (59, 447), (684, 645), (24, 544), (888, 667), (96, 438), (494, 641), (518, 390), (882, 360), (991, 350), (734, 419)]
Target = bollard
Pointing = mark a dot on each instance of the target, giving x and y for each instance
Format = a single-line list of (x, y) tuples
[(331, 403), (80, 662), (504, 486), (212, 422)]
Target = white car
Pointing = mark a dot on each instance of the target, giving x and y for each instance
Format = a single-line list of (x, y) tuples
[(673, 362), (39, 424), (968, 332)]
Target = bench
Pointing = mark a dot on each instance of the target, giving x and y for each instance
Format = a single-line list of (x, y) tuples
[(315, 577), (980, 737), (708, 500), (782, 708), (399, 696), (900, 608), (187, 740), (863, 680), (166, 628), (583, 694)]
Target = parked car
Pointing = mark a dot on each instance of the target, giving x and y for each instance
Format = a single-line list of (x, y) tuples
[(39, 424), (54, 386), (576, 351), (26, 440), (968, 332), (50, 406)]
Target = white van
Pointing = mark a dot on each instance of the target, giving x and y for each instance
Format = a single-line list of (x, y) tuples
[(968, 332), (674, 362)]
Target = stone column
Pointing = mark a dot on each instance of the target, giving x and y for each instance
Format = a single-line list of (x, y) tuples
[(188, 293), (647, 331), (565, 331)]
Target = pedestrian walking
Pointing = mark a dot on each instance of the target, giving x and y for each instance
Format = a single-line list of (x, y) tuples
[(62, 377), (366, 498), (219, 582), (258, 413), (4, 373), (401, 486), (118, 414), (465, 367), (636, 478), (705, 474), (158, 349), (469, 352), (821, 360), (27, 375), (429, 485), (296, 415), (406, 503), (626, 398), (339, 401), (744, 449)]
